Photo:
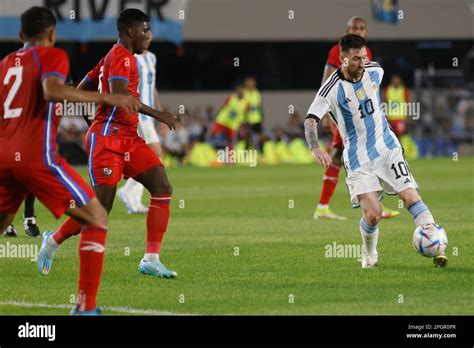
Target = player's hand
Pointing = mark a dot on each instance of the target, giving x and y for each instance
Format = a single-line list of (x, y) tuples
[(321, 157), (128, 102), (168, 119)]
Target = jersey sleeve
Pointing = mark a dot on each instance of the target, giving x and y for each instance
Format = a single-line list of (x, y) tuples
[(121, 66), (55, 62), (333, 57), (375, 70), (93, 75), (319, 107)]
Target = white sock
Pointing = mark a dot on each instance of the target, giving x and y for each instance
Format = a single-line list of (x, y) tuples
[(151, 257), (51, 247), (323, 206), (421, 214), (370, 237)]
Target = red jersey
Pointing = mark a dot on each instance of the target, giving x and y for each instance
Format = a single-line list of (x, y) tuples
[(28, 124), (119, 63), (333, 56)]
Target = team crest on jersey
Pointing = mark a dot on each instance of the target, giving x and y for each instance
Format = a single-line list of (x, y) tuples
[(361, 94), (107, 171)]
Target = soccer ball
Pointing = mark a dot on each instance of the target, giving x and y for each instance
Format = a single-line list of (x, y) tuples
[(430, 240)]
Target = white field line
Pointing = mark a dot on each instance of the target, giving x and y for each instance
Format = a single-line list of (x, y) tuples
[(125, 310)]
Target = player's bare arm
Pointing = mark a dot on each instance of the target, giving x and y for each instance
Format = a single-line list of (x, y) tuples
[(311, 134), (120, 87), (55, 90)]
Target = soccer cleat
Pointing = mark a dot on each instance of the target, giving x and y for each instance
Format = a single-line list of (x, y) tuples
[(129, 204), (156, 269), (440, 261), (389, 213), (9, 232), (370, 261), (139, 209), (326, 214), (44, 263), (94, 312), (31, 228)]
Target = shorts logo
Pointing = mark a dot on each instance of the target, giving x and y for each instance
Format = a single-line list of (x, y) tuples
[(407, 181), (107, 171)]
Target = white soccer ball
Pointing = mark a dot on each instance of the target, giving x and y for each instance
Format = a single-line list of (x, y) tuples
[(430, 240)]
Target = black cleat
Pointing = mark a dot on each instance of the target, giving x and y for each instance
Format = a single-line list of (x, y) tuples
[(9, 232), (440, 261), (31, 228)]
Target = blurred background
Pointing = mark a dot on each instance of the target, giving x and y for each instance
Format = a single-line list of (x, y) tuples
[(278, 48)]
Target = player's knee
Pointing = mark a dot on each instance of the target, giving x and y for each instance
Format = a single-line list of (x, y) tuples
[(99, 215), (166, 189), (373, 216)]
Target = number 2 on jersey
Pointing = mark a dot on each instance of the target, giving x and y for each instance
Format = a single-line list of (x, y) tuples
[(17, 72)]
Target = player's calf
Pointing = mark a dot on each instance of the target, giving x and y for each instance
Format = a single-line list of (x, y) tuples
[(417, 208)]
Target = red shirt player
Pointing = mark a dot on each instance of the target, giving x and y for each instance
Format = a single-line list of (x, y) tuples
[(33, 79), (114, 147)]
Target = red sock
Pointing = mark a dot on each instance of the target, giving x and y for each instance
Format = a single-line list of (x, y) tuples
[(91, 257), (69, 228), (331, 176), (156, 222)]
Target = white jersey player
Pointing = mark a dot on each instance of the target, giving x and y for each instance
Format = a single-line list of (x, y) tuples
[(372, 154), (131, 193)]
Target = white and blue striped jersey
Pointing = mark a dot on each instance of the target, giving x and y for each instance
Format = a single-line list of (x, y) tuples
[(355, 107), (146, 64)]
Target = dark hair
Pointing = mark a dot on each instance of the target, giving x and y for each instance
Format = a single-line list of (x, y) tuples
[(129, 17), (351, 41), (36, 20)]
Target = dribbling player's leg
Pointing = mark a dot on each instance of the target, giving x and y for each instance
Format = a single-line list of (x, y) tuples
[(418, 209), (421, 215), (368, 225)]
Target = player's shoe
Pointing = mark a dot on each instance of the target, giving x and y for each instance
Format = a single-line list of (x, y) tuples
[(44, 263), (326, 214), (440, 261), (94, 312), (139, 208), (31, 228), (156, 269), (369, 261), (389, 213), (9, 232), (129, 203)]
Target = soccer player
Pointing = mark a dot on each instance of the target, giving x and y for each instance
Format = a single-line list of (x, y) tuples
[(131, 193), (372, 153), (33, 80), (115, 149), (230, 117), (357, 26)]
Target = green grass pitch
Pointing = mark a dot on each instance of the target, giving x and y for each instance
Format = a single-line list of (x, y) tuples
[(239, 248)]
